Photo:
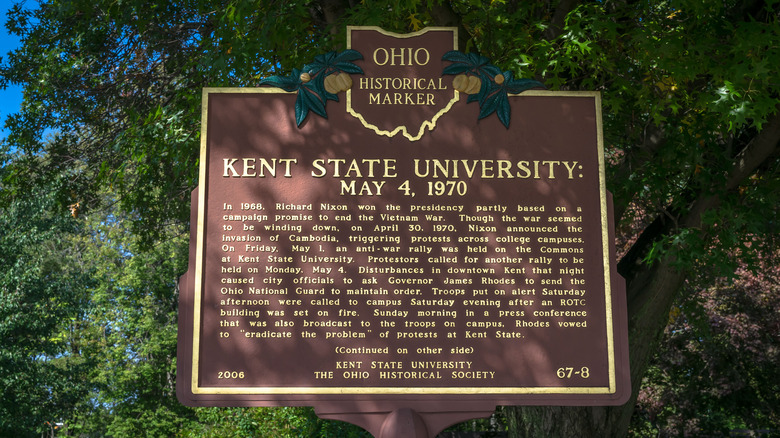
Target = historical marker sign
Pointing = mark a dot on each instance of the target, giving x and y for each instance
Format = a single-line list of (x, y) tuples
[(403, 250)]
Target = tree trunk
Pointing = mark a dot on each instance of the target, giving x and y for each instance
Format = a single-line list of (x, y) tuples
[(650, 296)]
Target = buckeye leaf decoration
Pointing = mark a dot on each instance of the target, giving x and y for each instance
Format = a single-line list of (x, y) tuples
[(496, 98), (335, 62), (310, 83), (286, 83), (309, 98), (330, 63), (469, 63), (496, 86)]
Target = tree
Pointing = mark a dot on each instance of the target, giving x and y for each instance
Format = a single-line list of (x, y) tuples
[(286, 422), (690, 105), (42, 302), (719, 371), (133, 320)]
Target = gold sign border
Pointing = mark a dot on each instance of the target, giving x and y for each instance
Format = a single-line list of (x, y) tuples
[(292, 390), (426, 124)]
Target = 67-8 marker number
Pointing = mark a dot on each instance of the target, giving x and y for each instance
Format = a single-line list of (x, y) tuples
[(569, 372)]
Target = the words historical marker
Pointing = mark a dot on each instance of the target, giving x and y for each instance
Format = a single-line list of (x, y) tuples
[(418, 247)]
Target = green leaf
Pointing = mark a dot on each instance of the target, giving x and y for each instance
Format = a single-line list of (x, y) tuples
[(517, 86), (331, 62), (456, 69), (503, 110), (312, 95), (489, 105), (308, 100), (313, 99), (492, 96), (286, 83)]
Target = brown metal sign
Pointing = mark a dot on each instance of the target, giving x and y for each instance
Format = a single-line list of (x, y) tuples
[(461, 261)]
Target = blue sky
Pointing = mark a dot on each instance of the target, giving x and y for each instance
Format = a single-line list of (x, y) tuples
[(11, 97)]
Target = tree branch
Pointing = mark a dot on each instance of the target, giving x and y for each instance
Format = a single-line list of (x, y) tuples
[(443, 15), (761, 148), (327, 13), (559, 19), (654, 138), (756, 152), (651, 290)]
